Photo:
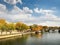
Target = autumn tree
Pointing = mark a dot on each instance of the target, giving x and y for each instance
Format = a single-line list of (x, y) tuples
[(45, 28), (18, 26), (24, 27), (21, 26), (35, 27), (2, 25), (2, 21), (11, 27)]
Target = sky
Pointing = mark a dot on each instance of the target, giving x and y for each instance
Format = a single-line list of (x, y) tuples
[(41, 12)]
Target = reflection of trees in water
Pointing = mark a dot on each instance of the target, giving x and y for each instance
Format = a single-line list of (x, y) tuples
[(39, 35), (17, 41), (20, 40)]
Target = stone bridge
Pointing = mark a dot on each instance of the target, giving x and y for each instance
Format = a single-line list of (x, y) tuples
[(52, 29)]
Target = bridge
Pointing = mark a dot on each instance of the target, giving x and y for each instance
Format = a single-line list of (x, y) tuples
[(50, 29)]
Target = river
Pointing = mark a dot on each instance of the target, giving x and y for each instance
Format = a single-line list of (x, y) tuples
[(34, 39)]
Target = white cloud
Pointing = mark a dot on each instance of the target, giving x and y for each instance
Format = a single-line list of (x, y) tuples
[(25, 15), (16, 14), (13, 2), (27, 10), (47, 14), (2, 8), (19, 14), (43, 11), (50, 23), (48, 17)]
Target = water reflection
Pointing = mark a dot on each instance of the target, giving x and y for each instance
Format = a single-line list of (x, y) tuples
[(16, 41), (34, 39), (39, 35)]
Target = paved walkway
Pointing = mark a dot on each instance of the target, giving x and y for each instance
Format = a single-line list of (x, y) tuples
[(13, 34), (7, 36)]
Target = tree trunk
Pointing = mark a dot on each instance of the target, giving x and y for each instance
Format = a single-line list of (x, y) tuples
[(1, 32), (10, 31), (6, 32)]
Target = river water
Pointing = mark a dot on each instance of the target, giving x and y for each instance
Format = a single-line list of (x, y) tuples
[(34, 39)]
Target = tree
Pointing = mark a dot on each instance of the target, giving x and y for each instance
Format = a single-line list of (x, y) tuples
[(2, 21), (11, 27), (21, 26), (3, 28), (45, 28), (33, 27), (18, 26), (2, 25), (24, 27)]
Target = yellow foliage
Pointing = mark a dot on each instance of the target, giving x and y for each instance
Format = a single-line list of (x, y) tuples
[(2, 21)]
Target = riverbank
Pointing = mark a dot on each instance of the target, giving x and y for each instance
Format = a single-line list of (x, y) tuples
[(14, 35)]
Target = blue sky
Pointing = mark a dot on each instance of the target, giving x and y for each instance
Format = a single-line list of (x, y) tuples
[(42, 12), (36, 3)]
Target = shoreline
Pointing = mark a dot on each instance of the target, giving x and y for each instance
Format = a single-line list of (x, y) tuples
[(14, 35)]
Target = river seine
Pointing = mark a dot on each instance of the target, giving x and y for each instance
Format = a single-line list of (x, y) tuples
[(34, 39)]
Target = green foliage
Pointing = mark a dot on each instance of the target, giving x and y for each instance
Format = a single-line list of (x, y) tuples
[(11, 26), (20, 26)]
